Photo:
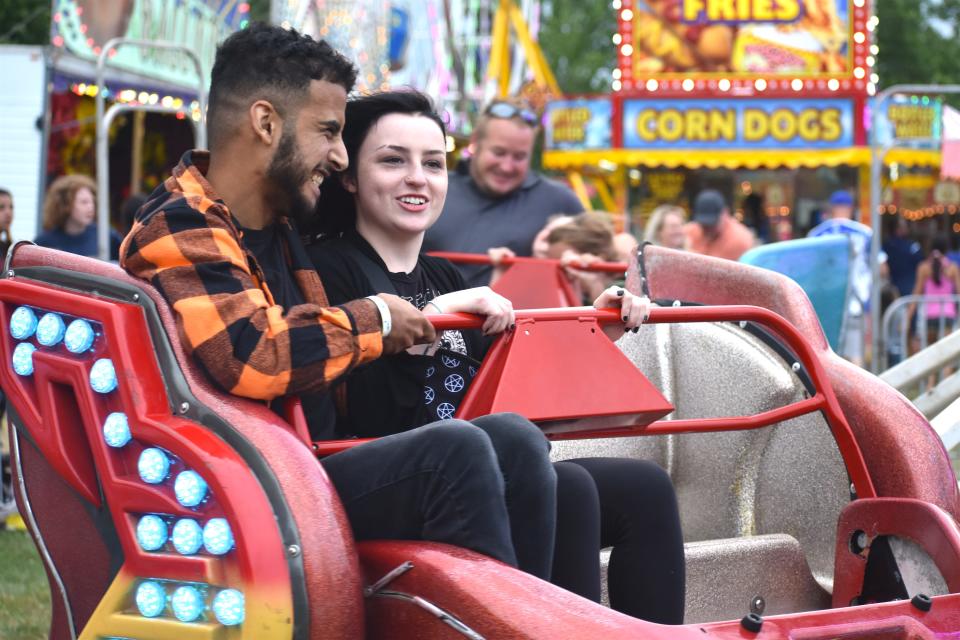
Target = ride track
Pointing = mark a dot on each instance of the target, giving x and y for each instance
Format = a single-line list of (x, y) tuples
[(85, 493)]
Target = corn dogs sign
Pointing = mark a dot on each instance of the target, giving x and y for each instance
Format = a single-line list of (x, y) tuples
[(737, 124)]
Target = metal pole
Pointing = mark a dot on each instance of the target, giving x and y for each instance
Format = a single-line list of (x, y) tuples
[(876, 167), (103, 128)]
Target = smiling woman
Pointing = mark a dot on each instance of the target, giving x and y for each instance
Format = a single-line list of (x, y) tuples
[(400, 181), (375, 216)]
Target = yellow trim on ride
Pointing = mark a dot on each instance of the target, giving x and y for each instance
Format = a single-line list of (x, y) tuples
[(734, 159), (116, 617)]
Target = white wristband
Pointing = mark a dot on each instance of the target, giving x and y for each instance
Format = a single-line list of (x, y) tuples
[(385, 322)]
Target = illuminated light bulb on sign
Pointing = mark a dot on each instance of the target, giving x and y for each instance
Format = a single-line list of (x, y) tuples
[(833, 84), (871, 61), (151, 599), (228, 607), (760, 84), (874, 78), (616, 5), (116, 430), (797, 84), (187, 603), (874, 49), (151, 532), (23, 323), (627, 49), (617, 38), (23, 358), (626, 15), (79, 336), (858, 3), (688, 84), (871, 89), (617, 85), (103, 376), (652, 85), (217, 536), (616, 74), (723, 85), (859, 37), (50, 329), (858, 73)]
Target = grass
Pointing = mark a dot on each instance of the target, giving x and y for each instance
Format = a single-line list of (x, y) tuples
[(24, 596)]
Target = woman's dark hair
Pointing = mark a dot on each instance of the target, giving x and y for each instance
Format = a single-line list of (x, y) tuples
[(936, 257), (336, 211)]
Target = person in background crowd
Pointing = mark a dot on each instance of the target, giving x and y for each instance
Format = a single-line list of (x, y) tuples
[(625, 246), (783, 230), (954, 254), (755, 218), (495, 200), (8, 506), (6, 219), (904, 255), (585, 239), (712, 231), (70, 218), (838, 219), (576, 241), (375, 215), (665, 227), (936, 276), (219, 240)]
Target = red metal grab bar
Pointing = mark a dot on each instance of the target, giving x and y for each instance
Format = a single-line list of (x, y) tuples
[(531, 283), (824, 399), (482, 259)]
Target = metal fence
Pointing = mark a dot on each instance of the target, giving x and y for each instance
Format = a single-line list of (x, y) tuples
[(937, 361), (934, 317)]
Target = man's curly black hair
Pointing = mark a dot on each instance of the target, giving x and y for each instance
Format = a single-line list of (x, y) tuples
[(269, 63)]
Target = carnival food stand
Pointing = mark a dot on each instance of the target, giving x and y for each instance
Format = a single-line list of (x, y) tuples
[(766, 102)]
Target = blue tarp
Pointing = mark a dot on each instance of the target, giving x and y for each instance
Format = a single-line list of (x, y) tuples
[(821, 266)]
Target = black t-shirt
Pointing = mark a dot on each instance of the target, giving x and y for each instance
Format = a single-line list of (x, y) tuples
[(268, 247), (270, 250), (403, 391)]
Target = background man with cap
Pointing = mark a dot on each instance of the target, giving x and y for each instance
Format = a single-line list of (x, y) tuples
[(712, 231), (839, 220), (493, 199)]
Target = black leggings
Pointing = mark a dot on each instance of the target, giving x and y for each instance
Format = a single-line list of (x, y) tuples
[(629, 505)]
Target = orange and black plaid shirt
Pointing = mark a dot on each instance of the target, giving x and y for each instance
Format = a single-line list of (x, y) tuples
[(186, 243)]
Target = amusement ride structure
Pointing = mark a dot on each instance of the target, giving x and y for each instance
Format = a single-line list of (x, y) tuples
[(816, 501)]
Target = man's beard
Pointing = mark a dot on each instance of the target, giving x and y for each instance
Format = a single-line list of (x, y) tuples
[(287, 175)]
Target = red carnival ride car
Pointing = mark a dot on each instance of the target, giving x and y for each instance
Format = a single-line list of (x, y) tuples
[(824, 507)]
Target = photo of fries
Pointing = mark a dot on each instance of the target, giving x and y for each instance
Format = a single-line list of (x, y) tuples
[(677, 36)]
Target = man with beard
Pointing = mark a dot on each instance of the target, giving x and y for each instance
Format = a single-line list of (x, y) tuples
[(218, 239)]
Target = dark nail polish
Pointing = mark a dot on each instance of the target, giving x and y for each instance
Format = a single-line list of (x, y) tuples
[(625, 318), (512, 327), (635, 329), (620, 292)]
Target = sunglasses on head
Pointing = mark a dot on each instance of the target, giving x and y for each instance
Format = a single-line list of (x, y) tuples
[(507, 110)]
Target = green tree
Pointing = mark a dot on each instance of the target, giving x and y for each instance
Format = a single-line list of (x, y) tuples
[(576, 41), (260, 10), (914, 37), (25, 21)]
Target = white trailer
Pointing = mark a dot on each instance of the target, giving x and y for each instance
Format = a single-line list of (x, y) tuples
[(22, 106)]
